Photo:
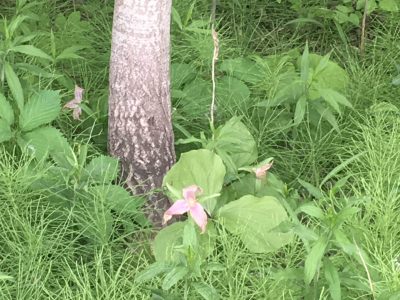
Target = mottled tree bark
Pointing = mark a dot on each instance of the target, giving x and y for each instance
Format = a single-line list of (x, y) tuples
[(140, 131)]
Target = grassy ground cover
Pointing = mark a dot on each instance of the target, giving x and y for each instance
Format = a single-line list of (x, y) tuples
[(43, 253)]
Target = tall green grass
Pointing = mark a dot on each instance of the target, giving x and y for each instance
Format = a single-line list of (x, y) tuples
[(376, 176), (43, 250)]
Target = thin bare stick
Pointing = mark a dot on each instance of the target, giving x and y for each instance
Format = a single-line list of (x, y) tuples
[(363, 25), (214, 60), (213, 10)]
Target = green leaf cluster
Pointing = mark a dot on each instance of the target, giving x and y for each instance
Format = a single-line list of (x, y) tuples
[(230, 198)]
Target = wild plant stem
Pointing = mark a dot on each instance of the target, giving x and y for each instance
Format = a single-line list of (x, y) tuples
[(214, 60), (363, 25)]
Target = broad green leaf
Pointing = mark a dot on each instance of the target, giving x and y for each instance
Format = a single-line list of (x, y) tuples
[(371, 5), (243, 69), (232, 92), (341, 17), (74, 17), (311, 210), (190, 235), (286, 93), (334, 98), (344, 9), (305, 233), (358, 253), (14, 85), (331, 101), (31, 51), (234, 139), (332, 276), (281, 81), (102, 169), (343, 242), (305, 65), (346, 213), (62, 153), (5, 131), (202, 168), (70, 53), (246, 185), (171, 236), (332, 76), (60, 21), (152, 271), (323, 63), (345, 14), (340, 98), (35, 70), (326, 114), (165, 242), (300, 111), (197, 99), (173, 276), (6, 111), (16, 23), (48, 140), (41, 109), (313, 259), (117, 198), (21, 39), (340, 183), (354, 19), (389, 5), (314, 191), (206, 291), (254, 220)]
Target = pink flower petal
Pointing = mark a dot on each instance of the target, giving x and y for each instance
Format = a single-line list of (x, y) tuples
[(72, 104), (261, 172), (78, 93), (77, 113), (190, 192), (199, 216), (178, 208)]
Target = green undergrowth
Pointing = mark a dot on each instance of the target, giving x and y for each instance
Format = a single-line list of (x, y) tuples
[(44, 250)]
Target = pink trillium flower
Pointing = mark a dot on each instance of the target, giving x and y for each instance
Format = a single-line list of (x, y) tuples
[(189, 204), (261, 172), (74, 104)]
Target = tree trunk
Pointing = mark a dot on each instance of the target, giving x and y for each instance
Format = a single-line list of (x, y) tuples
[(140, 130)]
